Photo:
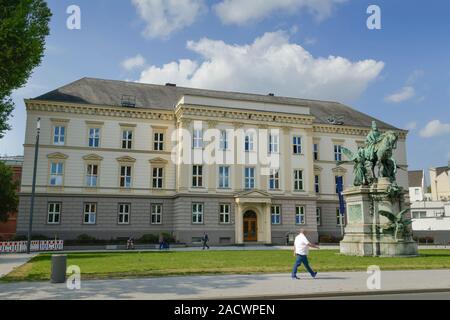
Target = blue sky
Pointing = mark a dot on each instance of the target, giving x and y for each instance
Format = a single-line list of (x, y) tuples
[(399, 74)]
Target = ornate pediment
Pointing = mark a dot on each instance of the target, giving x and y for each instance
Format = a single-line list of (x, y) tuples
[(92, 157), (57, 155), (126, 159), (339, 170), (317, 168), (158, 161), (254, 196)]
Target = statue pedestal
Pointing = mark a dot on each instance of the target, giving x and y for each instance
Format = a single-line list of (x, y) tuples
[(363, 233)]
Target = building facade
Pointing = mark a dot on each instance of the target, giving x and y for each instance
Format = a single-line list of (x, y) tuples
[(121, 159), (431, 219), (440, 183), (8, 228), (417, 188)]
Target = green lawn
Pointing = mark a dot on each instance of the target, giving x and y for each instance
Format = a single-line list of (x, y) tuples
[(135, 264)]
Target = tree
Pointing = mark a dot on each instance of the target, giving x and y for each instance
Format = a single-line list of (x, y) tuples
[(8, 192), (23, 28)]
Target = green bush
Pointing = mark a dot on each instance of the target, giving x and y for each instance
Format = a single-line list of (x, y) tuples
[(33, 237), (86, 237), (148, 238)]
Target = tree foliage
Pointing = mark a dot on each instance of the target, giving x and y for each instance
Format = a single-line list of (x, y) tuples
[(23, 28), (8, 192)]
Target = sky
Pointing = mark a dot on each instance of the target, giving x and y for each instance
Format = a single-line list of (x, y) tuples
[(318, 49)]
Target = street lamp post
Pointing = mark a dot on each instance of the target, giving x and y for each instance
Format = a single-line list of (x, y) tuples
[(33, 189)]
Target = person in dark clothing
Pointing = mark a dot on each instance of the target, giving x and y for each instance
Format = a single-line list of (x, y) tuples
[(161, 242), (205, 240)]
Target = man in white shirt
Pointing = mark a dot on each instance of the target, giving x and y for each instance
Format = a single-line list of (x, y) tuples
[(301, 248)]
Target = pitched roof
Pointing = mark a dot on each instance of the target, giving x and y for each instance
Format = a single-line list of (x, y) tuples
[(110, 92), (415, 178)]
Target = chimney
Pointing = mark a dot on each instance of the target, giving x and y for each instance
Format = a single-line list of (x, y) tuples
[(271, 94), (170, 84)]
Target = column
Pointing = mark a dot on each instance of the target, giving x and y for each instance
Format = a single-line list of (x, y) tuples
[(239, 224), (268, 224), (285, 160)]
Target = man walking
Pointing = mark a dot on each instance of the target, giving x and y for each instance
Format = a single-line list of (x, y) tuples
[(301, 248), (205, 241)]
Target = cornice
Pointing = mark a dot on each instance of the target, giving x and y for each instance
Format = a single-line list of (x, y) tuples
[(99, 110), (354, 131)]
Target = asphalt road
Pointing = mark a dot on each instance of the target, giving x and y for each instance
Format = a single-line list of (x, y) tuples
[(399, 296)]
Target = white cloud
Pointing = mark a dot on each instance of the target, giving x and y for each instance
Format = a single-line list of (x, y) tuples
[(244, 11), (270, 64), (134, 62), (163, 17), (414, 76), (404, 94), (435, 128)]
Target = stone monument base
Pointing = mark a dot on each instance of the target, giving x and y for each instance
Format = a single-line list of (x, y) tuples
[(364, 234)]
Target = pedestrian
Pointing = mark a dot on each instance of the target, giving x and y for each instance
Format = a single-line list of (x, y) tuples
[(301, 248), (130, 243), (205, 240), (161, 241)]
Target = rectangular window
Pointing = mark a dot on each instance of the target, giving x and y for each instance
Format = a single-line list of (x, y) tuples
[(56, 173), (300, 217), (124, 213), (125, 176), (91, 175), (274, 180), (249, 142), (156, 214), (340, 218), (197, 213), (316, 151), (297, 145), (158, 141), (197, 176), (298, 180), (223, 140), (54, 213), (127, 139), (90, 213), (224, 214), (249, 178), (94, 137), (59, 135), (157, 178), (317, 183), (319, 216), (224, 177), (198, 139), (337, 152), (419, 214), (274, 142), (275, 213)]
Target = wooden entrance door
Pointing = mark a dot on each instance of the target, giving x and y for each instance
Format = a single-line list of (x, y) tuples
[(250, 227)]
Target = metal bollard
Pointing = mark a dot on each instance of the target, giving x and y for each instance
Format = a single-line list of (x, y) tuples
[(59, 267)]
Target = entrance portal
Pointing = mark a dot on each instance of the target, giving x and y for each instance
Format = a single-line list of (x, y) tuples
[(250, 227)]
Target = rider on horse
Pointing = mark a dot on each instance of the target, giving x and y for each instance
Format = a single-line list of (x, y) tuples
[(372, 139)]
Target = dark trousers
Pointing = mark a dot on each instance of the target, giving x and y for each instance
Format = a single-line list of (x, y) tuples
[(298, 262), (205, 244)]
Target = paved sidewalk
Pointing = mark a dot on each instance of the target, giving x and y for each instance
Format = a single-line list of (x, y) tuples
[(231, 286), (8, 262)]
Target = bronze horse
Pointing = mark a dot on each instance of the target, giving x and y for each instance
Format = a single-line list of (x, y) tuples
[(380, 154)]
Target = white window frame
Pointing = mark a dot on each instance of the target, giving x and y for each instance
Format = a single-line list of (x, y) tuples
[(274, 143), (52, 214), (59, 139), (224, 177), (319, 216), (298, 180), (157, 178), (274, 179), (197, 213), (94, 138), (275, 212), (158, 141), (300, 215), (197, 176), (197, 137), (340, 218), (156, 213), (223, 142), (317, 183), (90, 211), (127, 139), (337, 152), (249, 180), (315, 151), (297, 145), (91, 178), (123, 217), (126, 177), (57, 175), (224, 213), (249, 142)]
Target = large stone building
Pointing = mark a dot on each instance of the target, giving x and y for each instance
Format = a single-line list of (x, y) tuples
[(110, 163)]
